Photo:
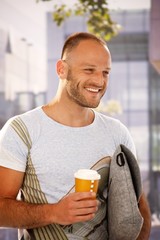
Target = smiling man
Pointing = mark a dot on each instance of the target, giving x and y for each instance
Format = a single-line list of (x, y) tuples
[(64, 135), (83, 81), (87, 76)]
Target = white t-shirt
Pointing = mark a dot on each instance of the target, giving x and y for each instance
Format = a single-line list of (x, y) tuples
[(58, 151)]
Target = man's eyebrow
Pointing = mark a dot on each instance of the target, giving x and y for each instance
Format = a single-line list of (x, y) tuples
[(94, 66), (88, 64)]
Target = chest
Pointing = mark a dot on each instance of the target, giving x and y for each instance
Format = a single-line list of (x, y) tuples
[(57, 156), (70, 151)]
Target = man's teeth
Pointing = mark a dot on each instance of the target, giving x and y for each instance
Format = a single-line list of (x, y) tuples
[(93, 90)]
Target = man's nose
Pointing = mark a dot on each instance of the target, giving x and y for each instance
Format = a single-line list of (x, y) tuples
[(99, 78)]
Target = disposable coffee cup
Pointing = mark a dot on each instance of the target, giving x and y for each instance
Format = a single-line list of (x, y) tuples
[(86, 180)]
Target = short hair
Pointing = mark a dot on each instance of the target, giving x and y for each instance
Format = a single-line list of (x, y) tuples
[(73, 40)]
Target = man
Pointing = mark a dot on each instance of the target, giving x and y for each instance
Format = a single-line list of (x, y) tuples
[(66, 135)]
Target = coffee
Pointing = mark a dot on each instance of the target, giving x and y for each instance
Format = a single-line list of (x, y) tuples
[(86, 180)]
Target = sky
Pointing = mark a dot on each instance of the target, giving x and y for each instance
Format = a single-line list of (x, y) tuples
[(112, 4), (115, 4), (129, 4)]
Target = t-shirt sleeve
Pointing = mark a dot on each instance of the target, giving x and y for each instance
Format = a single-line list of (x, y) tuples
[(126, 139), (13, 152)]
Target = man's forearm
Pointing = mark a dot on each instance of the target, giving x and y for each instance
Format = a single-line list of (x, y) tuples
[(19, 214), (74, 207), (145, 212)]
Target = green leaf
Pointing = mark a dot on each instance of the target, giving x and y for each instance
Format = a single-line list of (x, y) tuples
[(99, 20)]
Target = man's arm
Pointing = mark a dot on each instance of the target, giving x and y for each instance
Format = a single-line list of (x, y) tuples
[(145, 212), (75, 207)]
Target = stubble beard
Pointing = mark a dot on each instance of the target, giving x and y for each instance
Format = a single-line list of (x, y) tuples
[(75, 95)]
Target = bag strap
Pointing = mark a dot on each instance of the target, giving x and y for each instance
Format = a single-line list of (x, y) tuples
[(21, 129), (19, 126)]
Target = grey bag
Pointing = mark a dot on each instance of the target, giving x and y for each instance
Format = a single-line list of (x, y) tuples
[(125, 188)]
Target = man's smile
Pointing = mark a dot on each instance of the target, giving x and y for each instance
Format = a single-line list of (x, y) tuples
[(95, 90)]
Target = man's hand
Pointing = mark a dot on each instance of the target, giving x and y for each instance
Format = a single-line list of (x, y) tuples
[(75, 207)]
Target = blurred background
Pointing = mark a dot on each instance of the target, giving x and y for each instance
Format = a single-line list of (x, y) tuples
[(30, 44)]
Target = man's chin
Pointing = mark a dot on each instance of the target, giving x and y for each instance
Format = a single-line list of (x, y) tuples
[(89, 104), (93, 105)]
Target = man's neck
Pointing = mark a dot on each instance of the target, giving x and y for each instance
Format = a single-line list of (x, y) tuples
[(69, 115)]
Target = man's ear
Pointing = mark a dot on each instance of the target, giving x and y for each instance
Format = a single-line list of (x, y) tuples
[(62, 69)]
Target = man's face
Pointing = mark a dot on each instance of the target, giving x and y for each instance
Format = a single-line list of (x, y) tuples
[(88, 73)]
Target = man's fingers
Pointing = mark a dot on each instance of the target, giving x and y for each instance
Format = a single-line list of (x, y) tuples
[(84, 218), (83, 195), (78, 207), (86, 204), (85, 211)]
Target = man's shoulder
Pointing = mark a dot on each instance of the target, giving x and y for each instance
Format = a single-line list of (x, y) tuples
[(26, 116), (110, 123), (33, 120), (31, 115), (30, 118), (100, 117)]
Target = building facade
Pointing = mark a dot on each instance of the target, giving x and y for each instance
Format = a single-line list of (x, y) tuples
[(23, 67)]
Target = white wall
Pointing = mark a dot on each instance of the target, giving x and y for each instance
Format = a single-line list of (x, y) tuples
[(26, 19), (25, 67)]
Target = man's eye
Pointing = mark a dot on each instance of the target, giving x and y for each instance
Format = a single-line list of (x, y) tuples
[(105, 73), (88, 70)]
